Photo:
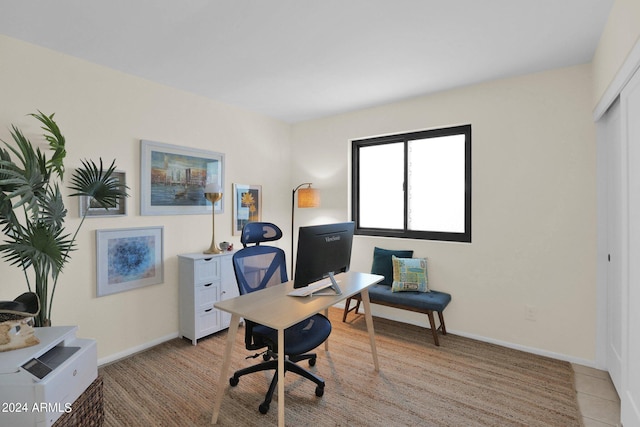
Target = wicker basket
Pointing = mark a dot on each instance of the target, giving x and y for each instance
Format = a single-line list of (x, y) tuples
[(87, 410)]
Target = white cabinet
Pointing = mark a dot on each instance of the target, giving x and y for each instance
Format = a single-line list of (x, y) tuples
[(38, 384), (204, 280)]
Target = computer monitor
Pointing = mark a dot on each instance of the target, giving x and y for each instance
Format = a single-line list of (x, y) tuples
[(323, 250)]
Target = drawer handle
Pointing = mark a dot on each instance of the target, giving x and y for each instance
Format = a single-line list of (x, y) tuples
[(208, 310), (208, 259), (208, 284), (75, 372)]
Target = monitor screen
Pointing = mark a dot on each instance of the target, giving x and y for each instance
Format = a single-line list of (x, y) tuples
[(322, 249)]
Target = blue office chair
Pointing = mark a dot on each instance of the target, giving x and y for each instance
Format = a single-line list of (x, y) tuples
[(257, 267)]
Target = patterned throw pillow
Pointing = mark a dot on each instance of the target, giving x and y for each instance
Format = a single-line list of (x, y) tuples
[(409, 274)]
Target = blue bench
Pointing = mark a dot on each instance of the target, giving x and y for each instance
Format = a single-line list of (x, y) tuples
[(420, 302)]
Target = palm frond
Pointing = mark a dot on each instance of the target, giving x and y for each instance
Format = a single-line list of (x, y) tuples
[(94, 181), (8, 218), (29, 156), (5, 159), (56, 142), (53, 211), (29, 185), (40, 245), (28, 177)]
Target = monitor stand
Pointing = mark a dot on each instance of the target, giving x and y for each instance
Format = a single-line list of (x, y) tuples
[(334, 285)]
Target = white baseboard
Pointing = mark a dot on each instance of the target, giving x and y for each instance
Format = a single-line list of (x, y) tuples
[(396, 315), (386, 315), (532, 350), (137, 349)]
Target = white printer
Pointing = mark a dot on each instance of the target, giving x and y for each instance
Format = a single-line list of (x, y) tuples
[(38, 384)]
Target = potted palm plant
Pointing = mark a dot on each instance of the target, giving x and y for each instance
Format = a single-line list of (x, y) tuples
[(32, 211)]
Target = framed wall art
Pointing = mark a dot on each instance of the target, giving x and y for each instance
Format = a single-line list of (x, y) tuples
[(172, 179), (247, 206), (92, 209), (128, 258)]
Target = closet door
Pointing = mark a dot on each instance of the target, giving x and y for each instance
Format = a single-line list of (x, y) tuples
[(609, 129), (630, 396)]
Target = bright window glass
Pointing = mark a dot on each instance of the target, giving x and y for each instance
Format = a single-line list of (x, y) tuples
[(436, 184), (381, 186)]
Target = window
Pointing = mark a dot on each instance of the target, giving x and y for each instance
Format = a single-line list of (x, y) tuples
[(415, 185)]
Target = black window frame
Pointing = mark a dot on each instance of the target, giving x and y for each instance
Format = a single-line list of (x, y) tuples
[(464, 237)]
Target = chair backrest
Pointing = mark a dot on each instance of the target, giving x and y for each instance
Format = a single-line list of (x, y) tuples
[(257, 267)]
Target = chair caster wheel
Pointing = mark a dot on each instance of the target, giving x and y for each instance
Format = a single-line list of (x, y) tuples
[(312, 362), (233, 381), (319, 391), (263, 408)]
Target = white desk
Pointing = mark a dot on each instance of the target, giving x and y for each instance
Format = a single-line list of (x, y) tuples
[(272, 307)]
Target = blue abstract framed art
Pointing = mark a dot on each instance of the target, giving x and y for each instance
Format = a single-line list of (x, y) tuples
[(128, 258)]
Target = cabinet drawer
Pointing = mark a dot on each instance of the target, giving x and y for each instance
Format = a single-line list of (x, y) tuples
[(208, 321), (207, 293), (206, 270)]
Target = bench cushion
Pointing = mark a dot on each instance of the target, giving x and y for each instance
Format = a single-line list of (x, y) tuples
[(382, 262), (433, 300)]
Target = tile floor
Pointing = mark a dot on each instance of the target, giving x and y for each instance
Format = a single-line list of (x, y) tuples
[(597, 397)]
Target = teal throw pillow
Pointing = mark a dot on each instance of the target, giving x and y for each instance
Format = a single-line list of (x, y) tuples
[(382, 262), (409, 274)]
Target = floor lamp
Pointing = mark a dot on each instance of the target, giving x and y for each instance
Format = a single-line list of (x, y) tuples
[(213, 193), (307, 198)]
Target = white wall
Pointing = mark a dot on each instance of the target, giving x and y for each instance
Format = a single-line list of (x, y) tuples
[(533, 192), (533, 209), (618, 38), (104, 113)]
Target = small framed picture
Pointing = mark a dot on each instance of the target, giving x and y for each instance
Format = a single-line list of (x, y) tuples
[(92, 209), (247, 206), (128, 258)]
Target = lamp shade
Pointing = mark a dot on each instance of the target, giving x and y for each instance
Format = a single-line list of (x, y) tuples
[(308, 198), (212, 187)]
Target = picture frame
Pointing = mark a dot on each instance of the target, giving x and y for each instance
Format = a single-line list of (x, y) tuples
[(247, 206), (128, 258), (173, 178), (88, 206)]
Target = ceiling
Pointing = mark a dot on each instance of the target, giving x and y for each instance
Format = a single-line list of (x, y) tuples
[(297, 60)]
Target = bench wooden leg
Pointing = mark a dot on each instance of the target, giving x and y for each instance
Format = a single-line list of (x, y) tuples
[(347, 308), (347, 304), (429, 313), (442, 327), (434, 330)]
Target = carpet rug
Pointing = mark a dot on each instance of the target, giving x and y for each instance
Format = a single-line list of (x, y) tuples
[(463, 382)]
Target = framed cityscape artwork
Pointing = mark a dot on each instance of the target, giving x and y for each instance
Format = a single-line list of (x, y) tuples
[(172, 179)]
